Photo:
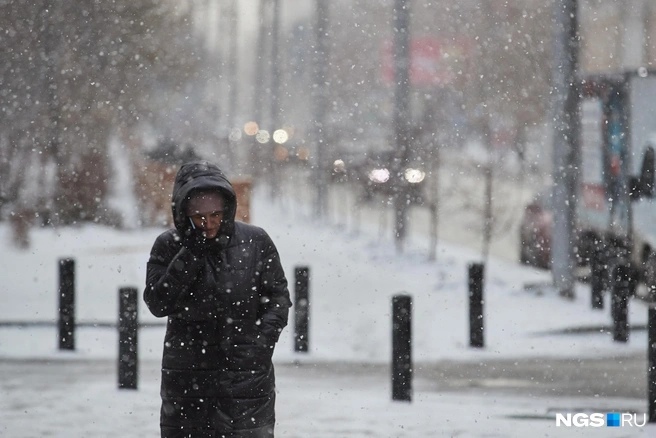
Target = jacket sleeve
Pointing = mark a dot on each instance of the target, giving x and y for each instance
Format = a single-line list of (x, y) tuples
[(170, 273), (275, 302)]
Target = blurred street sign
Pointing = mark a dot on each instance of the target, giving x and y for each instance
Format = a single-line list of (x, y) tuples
[(433, 61)]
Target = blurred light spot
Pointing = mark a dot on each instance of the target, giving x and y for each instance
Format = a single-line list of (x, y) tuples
[(262, 136), (251, 128), (280, 136), (235, 134), (280, 153), (414, 176), (379, 175)]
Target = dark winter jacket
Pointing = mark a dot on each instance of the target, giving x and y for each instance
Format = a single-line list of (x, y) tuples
[(225, 310)]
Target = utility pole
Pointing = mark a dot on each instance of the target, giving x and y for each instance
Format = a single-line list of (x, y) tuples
[(220, 67), (320, 99), (566, 154), (52, 149), (232, 77), (258, 92), (401, 115), (275, 101)]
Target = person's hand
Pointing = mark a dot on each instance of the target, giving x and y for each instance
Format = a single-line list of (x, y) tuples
[(195, 243)]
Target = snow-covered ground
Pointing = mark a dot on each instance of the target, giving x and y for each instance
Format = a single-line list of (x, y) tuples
[(353, 277)]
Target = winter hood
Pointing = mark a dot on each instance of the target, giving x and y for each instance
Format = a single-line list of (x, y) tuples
[(202, 175)]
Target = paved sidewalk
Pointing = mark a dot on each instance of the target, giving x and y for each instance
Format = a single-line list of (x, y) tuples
[(68, 397)]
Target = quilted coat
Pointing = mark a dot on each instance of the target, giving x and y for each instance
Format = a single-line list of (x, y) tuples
[(225, 309)]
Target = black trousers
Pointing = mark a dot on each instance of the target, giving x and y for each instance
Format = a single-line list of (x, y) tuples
[(262, 432)]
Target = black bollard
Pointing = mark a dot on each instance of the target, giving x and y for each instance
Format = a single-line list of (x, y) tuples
[(401, 348), (66, 323), (622, 283), (302, 309), (598, 277), (127, 338), (651, 365), (476, 338)]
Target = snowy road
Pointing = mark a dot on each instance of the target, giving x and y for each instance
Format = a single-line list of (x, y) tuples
[(79, 398)]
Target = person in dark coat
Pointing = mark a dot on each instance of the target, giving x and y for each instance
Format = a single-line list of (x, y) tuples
[(223, 289)]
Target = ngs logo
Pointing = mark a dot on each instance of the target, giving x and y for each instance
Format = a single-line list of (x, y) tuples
[(611, 419)]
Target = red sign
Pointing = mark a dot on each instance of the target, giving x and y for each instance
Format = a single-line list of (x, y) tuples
[(432, 61), (593, 195)]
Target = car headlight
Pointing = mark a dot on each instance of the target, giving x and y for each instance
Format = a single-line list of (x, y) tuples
[(379, 176), (414, 176), (339, 166)]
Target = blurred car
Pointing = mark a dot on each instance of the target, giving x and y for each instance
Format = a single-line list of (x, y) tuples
[(372, 173), (536, 228), (378, 178)]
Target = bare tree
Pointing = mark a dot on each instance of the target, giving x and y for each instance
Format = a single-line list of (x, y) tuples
[(78, 73)]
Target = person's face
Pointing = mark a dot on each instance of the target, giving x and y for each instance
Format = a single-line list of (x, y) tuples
[(206, 211)]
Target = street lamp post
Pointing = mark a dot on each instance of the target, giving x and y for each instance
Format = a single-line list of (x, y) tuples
[(320, 99), (275, 101), (258, 161), (566, 153), (401, 114), (232, 74)]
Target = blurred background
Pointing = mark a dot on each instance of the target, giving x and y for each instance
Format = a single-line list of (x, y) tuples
[(337, 105)]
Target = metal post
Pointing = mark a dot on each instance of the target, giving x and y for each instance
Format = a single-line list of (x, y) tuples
[(233, 82), (651, 365), (621, 294), (402, 348), (476, 338), (302, 309), (275, 97), (488, 200), (566, 149), (258, 160), (127, 338), (598, 275), (401, 116), (432, 251), (320, 104), (66, 304)]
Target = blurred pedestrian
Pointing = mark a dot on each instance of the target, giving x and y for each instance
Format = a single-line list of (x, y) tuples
[(223, 289)]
